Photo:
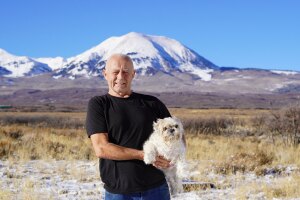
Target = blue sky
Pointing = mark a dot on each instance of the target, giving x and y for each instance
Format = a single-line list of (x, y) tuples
[(242, 33)]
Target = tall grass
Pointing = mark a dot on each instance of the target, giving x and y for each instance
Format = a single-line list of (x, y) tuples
[(42, 121), (29, 142), (224, 138), (231, 143)]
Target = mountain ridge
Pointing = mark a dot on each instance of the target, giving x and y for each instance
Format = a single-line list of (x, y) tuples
[(150, 54), (162, 65)]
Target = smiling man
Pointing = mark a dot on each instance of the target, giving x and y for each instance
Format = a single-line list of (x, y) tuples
[(119, 73), (118, 124)]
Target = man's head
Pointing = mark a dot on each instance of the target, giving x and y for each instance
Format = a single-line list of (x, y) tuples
[(119, 73)]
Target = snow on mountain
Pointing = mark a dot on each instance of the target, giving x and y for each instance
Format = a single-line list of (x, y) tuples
[(285, 72), (150, 54), (18, 66), (53, 63)]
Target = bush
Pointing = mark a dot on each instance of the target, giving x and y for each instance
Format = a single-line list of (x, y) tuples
[(245, 162), (214, 126), (286, 124)]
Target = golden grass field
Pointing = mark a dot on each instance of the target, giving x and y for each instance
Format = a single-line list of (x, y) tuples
[(223, 154)]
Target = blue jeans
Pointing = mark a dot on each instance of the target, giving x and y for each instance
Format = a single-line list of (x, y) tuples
[(158, 193)]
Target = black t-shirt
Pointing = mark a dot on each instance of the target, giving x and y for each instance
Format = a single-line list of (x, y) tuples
[(128, 122)]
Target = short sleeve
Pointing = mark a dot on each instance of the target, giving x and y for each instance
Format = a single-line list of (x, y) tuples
[(95, 118), (163, 112)]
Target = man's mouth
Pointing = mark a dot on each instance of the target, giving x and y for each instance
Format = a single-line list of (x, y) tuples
[(120, 84)]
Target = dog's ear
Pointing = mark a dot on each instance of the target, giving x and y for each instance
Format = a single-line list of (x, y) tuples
[(156, 124), (176, 119)]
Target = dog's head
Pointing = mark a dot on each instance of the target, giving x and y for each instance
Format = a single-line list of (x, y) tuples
[(171, 129)]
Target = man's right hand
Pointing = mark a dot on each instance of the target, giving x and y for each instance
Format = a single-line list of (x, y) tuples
[(161, 163)]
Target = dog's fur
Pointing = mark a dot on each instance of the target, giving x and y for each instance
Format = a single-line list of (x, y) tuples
[(167, 141)]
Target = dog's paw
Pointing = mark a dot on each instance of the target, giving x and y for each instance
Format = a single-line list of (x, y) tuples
[(149, 158)]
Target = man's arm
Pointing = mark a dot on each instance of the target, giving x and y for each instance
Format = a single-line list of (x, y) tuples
[(104, 149)]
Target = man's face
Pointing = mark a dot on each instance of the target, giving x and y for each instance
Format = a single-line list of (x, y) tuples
[(119, 73)]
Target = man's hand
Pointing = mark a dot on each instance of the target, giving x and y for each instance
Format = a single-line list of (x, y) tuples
[(161, 163)]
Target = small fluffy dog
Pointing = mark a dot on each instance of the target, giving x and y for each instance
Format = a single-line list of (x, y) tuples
[(167, 141)]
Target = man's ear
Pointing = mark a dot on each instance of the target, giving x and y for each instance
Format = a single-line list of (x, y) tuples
[(133, 74), (104, 73)]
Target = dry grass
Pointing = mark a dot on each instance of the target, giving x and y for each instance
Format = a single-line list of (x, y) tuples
[(43, 143), (287, 187), (32, 138), (5, 194), (221, 140), (209, 113), (232, 154)]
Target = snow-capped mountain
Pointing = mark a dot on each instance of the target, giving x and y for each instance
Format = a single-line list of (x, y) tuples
[(155, 58), (18, 66), (53, 63), (150, 55)]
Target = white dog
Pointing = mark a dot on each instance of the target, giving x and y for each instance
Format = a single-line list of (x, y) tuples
[(167, 141)]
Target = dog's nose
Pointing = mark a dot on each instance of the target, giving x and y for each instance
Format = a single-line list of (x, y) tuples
[(172, 130)]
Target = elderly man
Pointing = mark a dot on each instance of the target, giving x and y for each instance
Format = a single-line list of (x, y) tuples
[(118, 124)]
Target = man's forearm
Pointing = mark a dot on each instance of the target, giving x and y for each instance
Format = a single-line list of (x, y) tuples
[(115, 152), (104, 149)]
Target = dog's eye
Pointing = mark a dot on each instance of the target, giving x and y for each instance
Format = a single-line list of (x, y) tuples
[(165, 128), (176, 126)]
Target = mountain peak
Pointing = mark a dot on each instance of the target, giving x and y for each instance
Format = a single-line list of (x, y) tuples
[(18, 66), (150, 54), (133, 34), (4, 55), (2, 51)]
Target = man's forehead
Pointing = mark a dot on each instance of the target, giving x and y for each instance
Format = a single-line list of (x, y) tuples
[(119, 67), (119, 63)]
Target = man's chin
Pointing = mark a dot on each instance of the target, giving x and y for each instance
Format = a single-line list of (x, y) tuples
[(122, 91)]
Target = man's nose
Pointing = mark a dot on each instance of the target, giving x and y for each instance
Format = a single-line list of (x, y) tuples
[(120, 75)]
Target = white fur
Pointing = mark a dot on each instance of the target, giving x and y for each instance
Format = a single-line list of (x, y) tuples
[(170, 145)]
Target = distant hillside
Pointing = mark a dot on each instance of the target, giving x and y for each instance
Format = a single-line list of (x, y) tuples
[(75, 99)]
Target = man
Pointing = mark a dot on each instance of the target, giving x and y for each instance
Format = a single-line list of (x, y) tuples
[(118, 124)]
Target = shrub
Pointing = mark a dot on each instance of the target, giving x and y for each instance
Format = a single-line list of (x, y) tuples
[(286, 124), (214, 126), (242, 162)]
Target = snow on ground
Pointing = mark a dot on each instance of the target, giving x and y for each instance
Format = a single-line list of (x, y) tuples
[(50, 180), (42, 179)]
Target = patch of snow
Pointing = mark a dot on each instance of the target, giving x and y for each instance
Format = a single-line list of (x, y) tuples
[(80, 180), (285, 72), (230, 79), (53, 63), (276, 86), (57, 76), (204, 74)]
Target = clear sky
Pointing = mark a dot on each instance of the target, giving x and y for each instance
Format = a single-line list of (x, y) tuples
[(241, 33)]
